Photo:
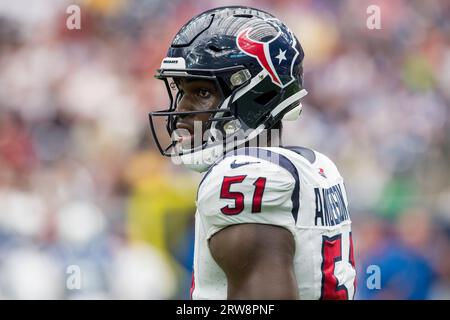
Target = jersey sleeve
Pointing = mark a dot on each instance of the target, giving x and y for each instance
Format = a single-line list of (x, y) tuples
[(244, 189)]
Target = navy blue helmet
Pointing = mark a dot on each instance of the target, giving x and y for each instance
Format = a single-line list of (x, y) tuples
[(255, 62)]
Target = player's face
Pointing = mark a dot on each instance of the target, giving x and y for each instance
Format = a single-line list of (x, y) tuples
[(197, 95)]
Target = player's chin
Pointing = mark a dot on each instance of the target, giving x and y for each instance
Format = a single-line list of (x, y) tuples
[(187, 143)]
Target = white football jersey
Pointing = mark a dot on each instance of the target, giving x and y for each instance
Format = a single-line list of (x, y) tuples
[(295, 188)]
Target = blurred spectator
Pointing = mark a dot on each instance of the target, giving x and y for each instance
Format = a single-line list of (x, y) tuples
[(140, 272), (405, 262), (28, 273)]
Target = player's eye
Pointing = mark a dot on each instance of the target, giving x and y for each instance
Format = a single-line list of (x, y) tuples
[(204, 93)]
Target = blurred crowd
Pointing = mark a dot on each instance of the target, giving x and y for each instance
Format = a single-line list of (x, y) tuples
[(82, 184)]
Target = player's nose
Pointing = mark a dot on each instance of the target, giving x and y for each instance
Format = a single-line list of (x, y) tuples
[(185, 104)]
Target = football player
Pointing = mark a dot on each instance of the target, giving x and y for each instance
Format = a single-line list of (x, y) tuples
[(272, 221)]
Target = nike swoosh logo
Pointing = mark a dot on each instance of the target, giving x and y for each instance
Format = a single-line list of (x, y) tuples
[(235, 165)]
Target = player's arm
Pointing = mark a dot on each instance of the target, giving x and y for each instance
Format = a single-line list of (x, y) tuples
[(257, 260)]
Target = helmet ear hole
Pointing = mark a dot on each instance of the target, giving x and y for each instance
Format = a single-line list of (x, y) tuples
[(243, 15), (266, 98), (214, 48)]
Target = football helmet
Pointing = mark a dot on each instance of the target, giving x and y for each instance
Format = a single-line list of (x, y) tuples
[(255, 62)]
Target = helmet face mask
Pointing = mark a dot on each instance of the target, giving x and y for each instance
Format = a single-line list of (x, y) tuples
[(255, 63), (221, 114)]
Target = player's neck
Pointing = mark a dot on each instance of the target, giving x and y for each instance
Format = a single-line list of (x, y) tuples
[(271, 138)]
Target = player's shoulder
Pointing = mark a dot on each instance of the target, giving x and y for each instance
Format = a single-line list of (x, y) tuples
[(248, 181), (307, 155), (307, 159), (252, 163)]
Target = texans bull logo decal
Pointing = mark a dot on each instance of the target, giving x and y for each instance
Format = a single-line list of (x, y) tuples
[(276, 56)]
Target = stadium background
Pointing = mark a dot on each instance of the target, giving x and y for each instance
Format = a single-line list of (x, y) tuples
[(82, 184)]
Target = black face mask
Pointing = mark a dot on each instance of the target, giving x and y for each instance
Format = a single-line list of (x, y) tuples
[(219, 115)]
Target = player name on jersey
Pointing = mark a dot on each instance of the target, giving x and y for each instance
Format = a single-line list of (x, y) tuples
[(330, 206)]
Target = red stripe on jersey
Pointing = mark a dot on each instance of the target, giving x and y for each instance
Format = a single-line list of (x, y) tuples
[(191, 291)]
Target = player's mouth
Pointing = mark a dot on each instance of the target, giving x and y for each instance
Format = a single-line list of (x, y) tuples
[(185, 126), (185, 136)]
